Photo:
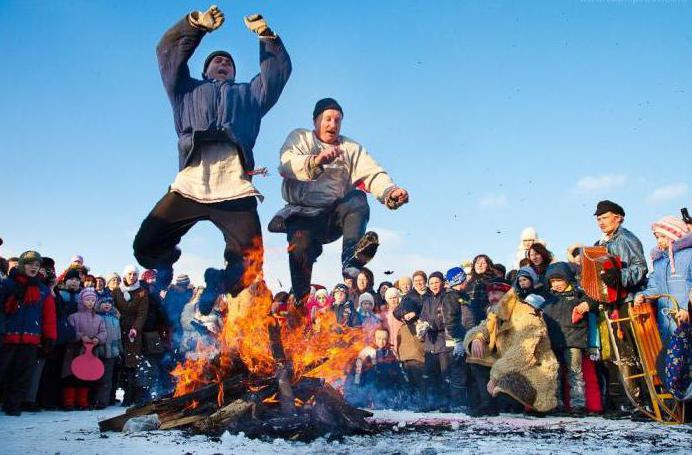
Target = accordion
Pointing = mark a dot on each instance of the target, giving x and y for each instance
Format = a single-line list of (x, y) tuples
[(594, 261)]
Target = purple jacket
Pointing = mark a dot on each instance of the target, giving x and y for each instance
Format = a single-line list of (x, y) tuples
[(87, 322)]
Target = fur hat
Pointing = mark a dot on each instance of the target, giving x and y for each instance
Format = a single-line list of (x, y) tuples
[(71, 274), (28, 257), (112, 276), (497, 286)]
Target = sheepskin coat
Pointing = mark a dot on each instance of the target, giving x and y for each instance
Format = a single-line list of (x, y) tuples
[(521, 362)]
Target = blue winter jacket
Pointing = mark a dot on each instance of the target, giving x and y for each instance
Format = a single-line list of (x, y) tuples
[(662, 281), (211, 110), (629, 249)]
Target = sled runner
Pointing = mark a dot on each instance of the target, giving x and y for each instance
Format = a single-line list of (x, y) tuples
[(636, 344), (87, 366)]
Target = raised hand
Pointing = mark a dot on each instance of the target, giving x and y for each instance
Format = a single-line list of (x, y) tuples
[(397, 198), (256, 23), (210, 20)]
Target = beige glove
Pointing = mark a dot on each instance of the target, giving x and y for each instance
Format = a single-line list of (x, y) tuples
[(209, 20), (256, 23)]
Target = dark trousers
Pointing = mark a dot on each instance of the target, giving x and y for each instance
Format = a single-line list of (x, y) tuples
[(50, 389), (306, 235), (481, 376), (102, 392), (415, 376), (443, 380), (156, 243), (17, 363)]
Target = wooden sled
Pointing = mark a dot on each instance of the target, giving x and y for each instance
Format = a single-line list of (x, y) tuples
[(636, 344)]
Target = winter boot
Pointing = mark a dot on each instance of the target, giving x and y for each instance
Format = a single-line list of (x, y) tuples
[(82, 398), (214, 284), (68, 398), (366, 248)]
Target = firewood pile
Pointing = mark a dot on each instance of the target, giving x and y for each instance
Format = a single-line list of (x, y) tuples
[(260, 408)]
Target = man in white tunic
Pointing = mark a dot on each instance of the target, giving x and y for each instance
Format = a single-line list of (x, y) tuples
[(326, 177)]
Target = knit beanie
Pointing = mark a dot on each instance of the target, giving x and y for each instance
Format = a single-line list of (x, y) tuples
[(211, 56), (529, 233), (86, 292), (670, 226), (130, 268), (456, 276), (324, 104), (674, 229), (366, 297), (535, 301), (182, 280), (436, 274), (28, 257), (391, 293), (112, 276), (77, 258)]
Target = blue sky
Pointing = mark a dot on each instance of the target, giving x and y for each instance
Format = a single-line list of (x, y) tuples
[(495, 115)]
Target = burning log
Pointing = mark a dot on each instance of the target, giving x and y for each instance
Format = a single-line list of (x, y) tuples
[(266, 379)]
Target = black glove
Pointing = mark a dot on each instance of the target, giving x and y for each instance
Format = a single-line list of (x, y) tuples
[(612, 278)]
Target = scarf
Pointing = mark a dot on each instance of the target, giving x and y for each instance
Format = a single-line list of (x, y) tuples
[(26, 292), (127, 289)]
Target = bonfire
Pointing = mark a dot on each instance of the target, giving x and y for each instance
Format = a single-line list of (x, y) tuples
[(263, 375)]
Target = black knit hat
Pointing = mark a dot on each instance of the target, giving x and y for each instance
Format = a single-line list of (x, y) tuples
[(437, 275), (47, 263), (609, 206), (211, 56), (324, 104)]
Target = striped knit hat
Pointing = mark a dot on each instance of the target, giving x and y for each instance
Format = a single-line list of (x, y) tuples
[(182, 280), (670, 226), (673, 228)]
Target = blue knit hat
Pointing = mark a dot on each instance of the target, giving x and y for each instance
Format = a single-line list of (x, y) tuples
[(455, 276)]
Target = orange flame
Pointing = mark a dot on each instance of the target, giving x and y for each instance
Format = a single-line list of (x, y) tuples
[(325, 350)]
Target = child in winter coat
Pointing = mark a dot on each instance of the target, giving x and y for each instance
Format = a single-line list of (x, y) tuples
[(109, 351), (366, 312), (377, 377), (29, 311), (89, 328), (567, 321), (343, 308)]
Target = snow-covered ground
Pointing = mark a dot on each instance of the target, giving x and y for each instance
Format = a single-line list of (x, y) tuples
[(77, 433)]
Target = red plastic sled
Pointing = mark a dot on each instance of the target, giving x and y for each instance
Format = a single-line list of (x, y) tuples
[(87, 366)]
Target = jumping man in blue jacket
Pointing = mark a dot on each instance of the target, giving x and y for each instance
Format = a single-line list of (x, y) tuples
[(217, 121)]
